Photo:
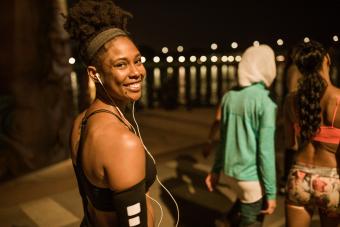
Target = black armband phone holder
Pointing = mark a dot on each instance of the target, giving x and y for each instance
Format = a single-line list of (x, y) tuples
[(130, 206)]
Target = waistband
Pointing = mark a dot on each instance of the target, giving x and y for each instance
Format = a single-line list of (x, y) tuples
[(319, 170)]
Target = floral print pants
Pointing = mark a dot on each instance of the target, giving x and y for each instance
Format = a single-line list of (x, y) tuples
[(314, 187)]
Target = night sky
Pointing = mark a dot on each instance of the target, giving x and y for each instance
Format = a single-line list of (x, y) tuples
[(197, 24)]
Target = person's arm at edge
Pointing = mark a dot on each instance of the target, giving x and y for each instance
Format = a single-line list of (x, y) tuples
[(267, 154), (213, 177), (214, 128)]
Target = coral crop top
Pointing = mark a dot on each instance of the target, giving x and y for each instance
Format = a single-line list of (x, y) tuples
[(329, 134)]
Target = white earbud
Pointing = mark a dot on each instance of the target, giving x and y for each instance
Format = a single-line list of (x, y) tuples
[(98, 77)]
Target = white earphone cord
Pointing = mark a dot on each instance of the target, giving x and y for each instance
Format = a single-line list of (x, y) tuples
[(141, 139), (160, 183), (113, 102)]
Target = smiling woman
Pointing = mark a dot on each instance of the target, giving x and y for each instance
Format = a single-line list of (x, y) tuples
[(113, 170), (121, 72)]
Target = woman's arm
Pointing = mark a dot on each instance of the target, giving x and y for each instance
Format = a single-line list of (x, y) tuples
[(289, 130), (123, 159)]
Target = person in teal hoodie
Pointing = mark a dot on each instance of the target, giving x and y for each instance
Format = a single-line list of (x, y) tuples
[(246, 152)]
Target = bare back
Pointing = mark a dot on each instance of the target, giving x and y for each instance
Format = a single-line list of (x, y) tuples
[(318, 153)]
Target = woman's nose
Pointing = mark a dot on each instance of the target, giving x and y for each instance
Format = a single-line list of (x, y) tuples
[(135, 71)]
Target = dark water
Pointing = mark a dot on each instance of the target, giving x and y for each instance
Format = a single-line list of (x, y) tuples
[(194, 85)]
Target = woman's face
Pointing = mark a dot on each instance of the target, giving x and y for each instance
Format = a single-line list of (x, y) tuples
[(123, 70)]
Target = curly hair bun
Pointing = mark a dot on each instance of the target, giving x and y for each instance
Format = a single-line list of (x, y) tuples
[(89, 17), (309, 56)]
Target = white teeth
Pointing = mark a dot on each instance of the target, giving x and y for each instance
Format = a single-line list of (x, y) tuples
[(135, 86)]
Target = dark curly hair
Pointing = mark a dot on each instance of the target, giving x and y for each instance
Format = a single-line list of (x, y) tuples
[(87, 18), (308, 58)]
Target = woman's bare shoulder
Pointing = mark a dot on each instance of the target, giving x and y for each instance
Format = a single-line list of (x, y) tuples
[(331, 105), (75, 135), (77, 121), (335, 92), (121, 154)]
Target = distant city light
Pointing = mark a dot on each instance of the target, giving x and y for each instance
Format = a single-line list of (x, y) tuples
[(238, 58), (170, 70), (279, 42), (213, 46), (181, 59), (230, 58), (224, 58), (169, 59), (165, 50), (335, 38), (203, 59), (71, 60), (193, 58), (180, 48), (280, 58), (143, 59), (306, 40), (234, 45), (156, 59), (213, 58), (256, 43)]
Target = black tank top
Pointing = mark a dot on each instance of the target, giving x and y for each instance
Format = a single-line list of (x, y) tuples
[(101, 198)]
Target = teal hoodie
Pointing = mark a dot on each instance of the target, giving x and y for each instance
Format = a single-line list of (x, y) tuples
[(246, 151)]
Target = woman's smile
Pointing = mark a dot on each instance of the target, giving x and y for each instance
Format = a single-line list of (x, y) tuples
[(134, 87)]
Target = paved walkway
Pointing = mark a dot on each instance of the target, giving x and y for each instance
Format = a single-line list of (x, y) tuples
[(49, 197)]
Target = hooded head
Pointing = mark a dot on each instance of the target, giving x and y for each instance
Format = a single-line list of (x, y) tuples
[(257, 64)]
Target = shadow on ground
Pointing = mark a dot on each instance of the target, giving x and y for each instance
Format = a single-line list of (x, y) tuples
[(198, 206)]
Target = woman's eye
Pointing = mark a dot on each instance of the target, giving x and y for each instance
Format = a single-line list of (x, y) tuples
[(120, 65)]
